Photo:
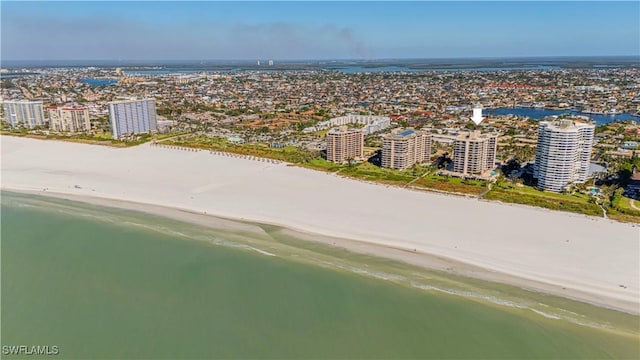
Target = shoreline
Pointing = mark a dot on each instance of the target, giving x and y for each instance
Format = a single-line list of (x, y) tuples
[(346, 177), (574, 256), (406, 256)]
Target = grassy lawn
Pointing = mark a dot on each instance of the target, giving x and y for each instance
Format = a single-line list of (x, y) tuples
[(369, 172), (622, 210), (578, 203), (614, 215), (322, 165), (625, 204), (168, 135), (102, 135), (451, 184), (529, 190), (290, 154)]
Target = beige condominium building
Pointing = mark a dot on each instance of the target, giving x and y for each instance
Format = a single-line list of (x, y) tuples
[(404, 148), (474, 152), (69, 118), (344, 144)]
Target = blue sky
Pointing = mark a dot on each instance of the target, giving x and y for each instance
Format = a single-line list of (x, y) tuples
[(315, 30)]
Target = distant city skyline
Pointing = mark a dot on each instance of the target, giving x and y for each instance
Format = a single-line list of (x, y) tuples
[(315, 30)]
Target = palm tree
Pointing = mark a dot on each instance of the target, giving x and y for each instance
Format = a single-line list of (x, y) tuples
[(350, 161), (415, 169)]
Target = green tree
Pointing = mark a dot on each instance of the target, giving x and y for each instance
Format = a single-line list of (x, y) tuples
[(415, 170), (350, 161)]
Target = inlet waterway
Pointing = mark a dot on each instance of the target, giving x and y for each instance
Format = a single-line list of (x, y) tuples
[(537, 114)]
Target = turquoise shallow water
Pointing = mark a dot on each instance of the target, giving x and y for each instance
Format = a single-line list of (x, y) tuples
[(108, 283)]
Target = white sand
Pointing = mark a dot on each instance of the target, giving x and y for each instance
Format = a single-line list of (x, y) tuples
[(585, 255)]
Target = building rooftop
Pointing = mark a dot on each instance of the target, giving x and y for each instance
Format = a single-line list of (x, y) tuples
[(473, 135), (406, 133), (566, 125), (130, 101), (23, 101), (343, 130), (400, 133)]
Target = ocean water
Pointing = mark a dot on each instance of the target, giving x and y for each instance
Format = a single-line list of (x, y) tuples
[(109, 283)]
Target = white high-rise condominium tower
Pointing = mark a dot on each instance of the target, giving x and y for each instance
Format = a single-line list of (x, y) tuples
[(563, 153), (23, 112), (132, 117)]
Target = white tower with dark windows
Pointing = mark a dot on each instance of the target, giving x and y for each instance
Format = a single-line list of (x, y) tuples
[(25, 113), (563, 154), (132, 117)]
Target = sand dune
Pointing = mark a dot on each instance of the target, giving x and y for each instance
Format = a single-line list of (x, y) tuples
[(596, 257)]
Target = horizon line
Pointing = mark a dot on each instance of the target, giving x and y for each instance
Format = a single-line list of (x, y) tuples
[(348, 59)]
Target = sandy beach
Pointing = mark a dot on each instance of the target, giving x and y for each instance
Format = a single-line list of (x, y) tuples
[(585, 258)]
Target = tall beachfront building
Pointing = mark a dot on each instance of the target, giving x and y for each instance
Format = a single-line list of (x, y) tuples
[(402, 149), (344, 144), (132, 117), (563, 153), (474, 152), (69, 118), (23, 112)]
